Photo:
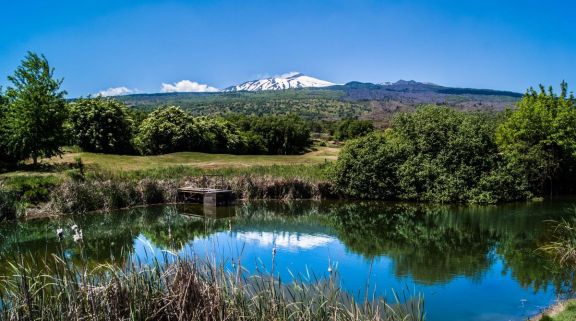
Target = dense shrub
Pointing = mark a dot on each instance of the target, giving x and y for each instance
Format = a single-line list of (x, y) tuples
[(434, 154), (167, 130), (172, 129), (31, 189), (352, 128), (101, 125), (8, 205), (539, 138), (280, 135)]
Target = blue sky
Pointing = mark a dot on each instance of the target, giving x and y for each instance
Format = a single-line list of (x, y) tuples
[(96, 45)]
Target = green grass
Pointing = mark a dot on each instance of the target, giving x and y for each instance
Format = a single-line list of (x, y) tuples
[(567, 314), (183, 164)]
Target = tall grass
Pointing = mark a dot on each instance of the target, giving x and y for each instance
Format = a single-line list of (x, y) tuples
[(184, 289), (563, 245), (313, 173), (107, 191)]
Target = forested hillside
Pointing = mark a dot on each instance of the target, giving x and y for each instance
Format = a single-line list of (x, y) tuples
[(355, 99)]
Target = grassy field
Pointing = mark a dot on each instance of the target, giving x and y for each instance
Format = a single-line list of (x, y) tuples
[(190, 160)]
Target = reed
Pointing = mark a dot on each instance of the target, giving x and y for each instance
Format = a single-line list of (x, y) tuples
[(113, 192), (184, 289), (563, 245)]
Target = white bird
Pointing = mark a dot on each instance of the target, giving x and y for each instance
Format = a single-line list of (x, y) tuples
[(78, 237), (60, 233)]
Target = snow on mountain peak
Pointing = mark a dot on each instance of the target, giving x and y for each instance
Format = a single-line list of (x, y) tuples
[(286, 81)]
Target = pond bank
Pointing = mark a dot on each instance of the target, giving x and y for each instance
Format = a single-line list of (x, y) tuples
[(82, 196), (557, 310)]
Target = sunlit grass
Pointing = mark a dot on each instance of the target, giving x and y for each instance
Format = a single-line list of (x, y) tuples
[(185, 289)]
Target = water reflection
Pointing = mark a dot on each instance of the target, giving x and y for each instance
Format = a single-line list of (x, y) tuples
[(444, 251)]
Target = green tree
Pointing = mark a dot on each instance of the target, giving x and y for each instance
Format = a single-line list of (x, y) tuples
[(4, 156), (539, 137), (352, 128), (167, 130), (101, 125), (280, 135), (34, 119), (435, 154)]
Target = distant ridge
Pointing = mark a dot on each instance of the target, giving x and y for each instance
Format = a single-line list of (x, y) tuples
[(328, 102)]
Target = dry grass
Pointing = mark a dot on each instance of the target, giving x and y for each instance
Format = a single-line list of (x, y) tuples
[(185, 290)]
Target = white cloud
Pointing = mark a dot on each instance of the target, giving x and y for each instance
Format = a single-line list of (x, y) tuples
[(117, 91), (287, 240), (187, 86)]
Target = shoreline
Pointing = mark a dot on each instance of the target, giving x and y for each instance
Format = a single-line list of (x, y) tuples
[(553, 310)]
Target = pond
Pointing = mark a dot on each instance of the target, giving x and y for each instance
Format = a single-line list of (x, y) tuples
[(469, 263)]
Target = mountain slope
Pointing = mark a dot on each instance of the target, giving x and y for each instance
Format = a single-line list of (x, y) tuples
[(354, 99), (288, 81)]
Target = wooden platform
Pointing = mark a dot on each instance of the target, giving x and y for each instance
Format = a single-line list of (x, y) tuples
[(206, 196)]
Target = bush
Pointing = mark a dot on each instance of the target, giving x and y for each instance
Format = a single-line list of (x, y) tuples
[(8, 205), (434, 154), (31, 189), (352, 128), (279, 135), (101, 125), (171, 129), (539, 137)]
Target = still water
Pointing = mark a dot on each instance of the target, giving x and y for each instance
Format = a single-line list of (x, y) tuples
[(470, 263)]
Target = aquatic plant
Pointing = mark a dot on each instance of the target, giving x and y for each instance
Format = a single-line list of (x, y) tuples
[(563, 245), (185, 289)]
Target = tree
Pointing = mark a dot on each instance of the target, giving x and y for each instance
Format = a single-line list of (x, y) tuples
[(101, 125), (352, 128), (167, 130), (34, 119), (4, 156), (435, 154), (281, 135), (539, 137)]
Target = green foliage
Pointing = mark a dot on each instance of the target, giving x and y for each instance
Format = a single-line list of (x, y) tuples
[(352, 128), (171, 129), (101, 125), (435, 154), (167, 130), (280, 135), (31, 189), (5, 157), (310, 104), (33, 121), (8, 204), (539, 137)]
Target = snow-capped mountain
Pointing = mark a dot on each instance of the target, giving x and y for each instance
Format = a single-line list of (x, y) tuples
[(291, 80)]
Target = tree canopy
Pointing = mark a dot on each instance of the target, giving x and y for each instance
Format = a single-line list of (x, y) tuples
[(33, 121), (435, 154), (101, 125), (539, 138)]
